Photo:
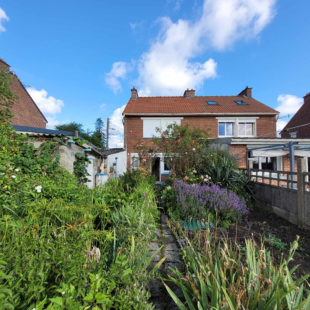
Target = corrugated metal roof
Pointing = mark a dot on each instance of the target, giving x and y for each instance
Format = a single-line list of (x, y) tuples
[(51, 132)]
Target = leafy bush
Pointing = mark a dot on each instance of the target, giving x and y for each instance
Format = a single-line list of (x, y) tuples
[(220, 168), (223, 275), (196, 202)]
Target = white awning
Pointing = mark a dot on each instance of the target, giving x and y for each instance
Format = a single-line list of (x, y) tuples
[(269, 153)]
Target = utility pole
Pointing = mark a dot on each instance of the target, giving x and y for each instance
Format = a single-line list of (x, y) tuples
[(107, 138)]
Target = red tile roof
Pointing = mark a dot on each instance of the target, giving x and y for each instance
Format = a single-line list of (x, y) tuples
[(195, 106), (300, 121)]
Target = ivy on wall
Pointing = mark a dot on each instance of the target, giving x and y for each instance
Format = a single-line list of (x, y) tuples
[(79, 167)]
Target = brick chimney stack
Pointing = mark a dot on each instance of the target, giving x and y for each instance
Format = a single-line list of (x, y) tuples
[(134, 93), (307, 98), (189, 93), (247, 92)]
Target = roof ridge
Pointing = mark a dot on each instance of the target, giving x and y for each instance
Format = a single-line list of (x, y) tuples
[(140, 97)]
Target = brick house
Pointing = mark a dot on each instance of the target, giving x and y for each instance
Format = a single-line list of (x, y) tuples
[(25, 111), (225, 118), (299, 125)]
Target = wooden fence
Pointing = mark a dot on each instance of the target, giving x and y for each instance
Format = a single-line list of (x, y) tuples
[(285, 193)]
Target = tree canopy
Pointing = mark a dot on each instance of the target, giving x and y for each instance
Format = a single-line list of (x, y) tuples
[(97, 137)]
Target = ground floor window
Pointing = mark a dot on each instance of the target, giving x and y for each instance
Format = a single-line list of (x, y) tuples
[(267, 163), (167, 164), (135, 162)]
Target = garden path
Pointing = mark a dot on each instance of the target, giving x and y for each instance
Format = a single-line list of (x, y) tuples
[(164, 237)]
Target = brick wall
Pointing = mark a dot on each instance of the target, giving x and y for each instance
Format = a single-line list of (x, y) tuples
[(25, 111), (239, 152), (133, 131)]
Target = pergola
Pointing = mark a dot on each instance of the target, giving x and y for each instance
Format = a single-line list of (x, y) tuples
[(291, 148)]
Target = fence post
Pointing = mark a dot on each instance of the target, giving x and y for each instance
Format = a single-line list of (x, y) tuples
[(301, 168), (250, 167)]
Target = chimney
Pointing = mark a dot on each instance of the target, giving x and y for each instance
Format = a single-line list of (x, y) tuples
[(134, 94), (307, 98), (189, 93), (247, 92)]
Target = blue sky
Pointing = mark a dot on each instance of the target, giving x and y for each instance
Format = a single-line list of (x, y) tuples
[(79, 59)]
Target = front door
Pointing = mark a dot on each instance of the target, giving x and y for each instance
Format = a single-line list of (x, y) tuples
[(156, 168)]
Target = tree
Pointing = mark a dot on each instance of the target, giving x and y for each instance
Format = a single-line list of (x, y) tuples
[(181, 146), (6, 96), (97, 137), (73, 126)]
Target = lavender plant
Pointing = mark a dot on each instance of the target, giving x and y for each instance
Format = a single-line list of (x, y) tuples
[(198, 201)]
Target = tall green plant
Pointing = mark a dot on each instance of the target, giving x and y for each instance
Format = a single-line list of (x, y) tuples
[(6, 96), (225, 275)]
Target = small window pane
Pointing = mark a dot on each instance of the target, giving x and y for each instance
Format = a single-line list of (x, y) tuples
[(249, 129), (167, 164), (221, 129), (229, 129), (135, 163), (241, 129)]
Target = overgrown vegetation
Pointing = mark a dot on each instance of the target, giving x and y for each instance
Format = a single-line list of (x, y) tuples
[(221, 274), (64, 246)]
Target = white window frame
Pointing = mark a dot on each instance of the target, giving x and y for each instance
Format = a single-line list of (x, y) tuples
[(236, 121), (162, 124), (293, 134), (162, 166), (225, 135)]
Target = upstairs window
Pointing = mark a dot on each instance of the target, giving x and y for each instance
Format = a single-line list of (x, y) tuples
[(150, 125), (246, 129), (226, 129), (293, 134)]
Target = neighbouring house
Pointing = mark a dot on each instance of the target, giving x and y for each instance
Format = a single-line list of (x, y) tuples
[(114, 164), (239, 124), (299, 124), (103, 164), (25, 111), (224, 117)]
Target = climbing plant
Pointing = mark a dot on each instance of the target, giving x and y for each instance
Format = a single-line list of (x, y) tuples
[(79, 167)]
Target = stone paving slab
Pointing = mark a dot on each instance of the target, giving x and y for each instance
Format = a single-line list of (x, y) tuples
[(160, 297)]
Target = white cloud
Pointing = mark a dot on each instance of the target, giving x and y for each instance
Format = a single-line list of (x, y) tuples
[(117, 128), (226, 21), (47, 104), (169, 66), (3, 17), (288, 106), (118, 71), (51, 122)]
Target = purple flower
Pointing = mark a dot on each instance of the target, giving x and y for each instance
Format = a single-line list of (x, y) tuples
[(197, 200)]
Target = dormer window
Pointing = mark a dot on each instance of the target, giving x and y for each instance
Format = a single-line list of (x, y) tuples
[(241, 102), (211, 102)]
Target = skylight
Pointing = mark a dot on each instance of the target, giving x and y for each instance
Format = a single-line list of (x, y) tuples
[(241, 102), (212, 102)]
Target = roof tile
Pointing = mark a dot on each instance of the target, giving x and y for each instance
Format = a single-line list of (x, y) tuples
[(195, 105)]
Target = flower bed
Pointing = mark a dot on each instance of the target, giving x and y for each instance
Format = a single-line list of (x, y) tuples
[(200, 202)]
